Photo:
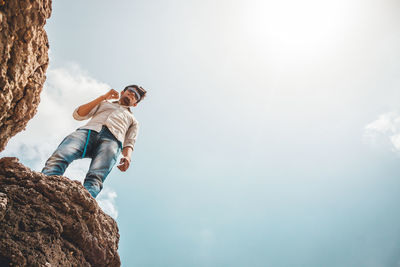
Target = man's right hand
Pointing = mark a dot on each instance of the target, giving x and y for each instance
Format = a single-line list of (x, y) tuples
[(86, 108), (112, 94)]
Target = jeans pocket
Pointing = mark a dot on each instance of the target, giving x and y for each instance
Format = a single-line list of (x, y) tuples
[(70, 137)]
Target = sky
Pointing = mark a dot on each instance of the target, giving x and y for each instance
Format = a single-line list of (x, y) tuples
[(270, 135)]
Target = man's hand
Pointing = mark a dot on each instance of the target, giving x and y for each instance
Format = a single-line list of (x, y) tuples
[(124, 164), (112, 94)]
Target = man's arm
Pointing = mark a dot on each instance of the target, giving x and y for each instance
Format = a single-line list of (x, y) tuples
[(126, 159), (86, 108), (127, 151), (129, 142)]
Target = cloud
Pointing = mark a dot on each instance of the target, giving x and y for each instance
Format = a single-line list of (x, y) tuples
[(385, 130), (395, 139), (64, 90), (386, 123), (106, 200)]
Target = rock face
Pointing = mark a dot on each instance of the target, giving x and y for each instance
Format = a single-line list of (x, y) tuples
[(44, 220), (51, 221), (24, 60)]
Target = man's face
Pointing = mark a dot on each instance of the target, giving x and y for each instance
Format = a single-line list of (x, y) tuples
[(128, 98)]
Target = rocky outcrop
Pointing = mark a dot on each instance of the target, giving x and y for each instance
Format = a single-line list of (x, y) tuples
[(44, 220), (23, 62), (51, 221)]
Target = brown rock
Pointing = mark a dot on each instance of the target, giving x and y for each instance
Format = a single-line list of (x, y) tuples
[(24, 60), (44, 220), (51, 221)]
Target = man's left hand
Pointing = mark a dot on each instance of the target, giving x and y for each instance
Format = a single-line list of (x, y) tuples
[(124, 163)]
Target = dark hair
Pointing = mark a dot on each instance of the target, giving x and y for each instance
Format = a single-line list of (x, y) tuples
[(139, 89)]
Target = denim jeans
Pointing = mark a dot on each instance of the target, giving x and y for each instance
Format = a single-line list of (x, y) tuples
[(103, 148)]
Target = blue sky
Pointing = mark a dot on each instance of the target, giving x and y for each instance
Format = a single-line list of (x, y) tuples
[(269, 137)]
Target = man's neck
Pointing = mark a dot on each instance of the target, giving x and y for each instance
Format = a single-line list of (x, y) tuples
[(119, 102)]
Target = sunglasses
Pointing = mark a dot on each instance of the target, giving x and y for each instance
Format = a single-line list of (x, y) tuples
[(134, 90)]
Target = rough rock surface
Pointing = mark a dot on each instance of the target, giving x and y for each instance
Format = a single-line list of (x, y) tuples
[(44, 221), (51, 221), (23, 61)]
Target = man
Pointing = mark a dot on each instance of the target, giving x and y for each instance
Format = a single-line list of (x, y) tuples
[(112, 128)]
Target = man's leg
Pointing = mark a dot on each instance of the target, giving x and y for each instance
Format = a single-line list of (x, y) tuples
[(105, 154), (69, 149)]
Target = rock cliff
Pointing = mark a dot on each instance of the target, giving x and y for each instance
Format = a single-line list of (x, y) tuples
[(24, 60), (44, 220), (51, 221)]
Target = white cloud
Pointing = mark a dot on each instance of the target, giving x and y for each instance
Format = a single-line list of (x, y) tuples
[(395, 139), (64, 90), (106, 200), (384, 131), (386, 123)]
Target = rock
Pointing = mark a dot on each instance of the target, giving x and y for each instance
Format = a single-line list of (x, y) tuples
[(44, 220), (3, 205), (51, 221), (24, 49)]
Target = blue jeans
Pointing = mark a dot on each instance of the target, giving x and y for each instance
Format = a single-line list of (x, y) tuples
[(103, 148)]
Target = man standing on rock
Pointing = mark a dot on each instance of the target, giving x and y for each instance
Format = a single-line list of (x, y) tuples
[(112, 128)]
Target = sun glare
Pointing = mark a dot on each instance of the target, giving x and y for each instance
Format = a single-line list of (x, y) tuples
[(296, 28)]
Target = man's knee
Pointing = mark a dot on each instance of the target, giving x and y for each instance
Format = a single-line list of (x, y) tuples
[(55, 165)]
